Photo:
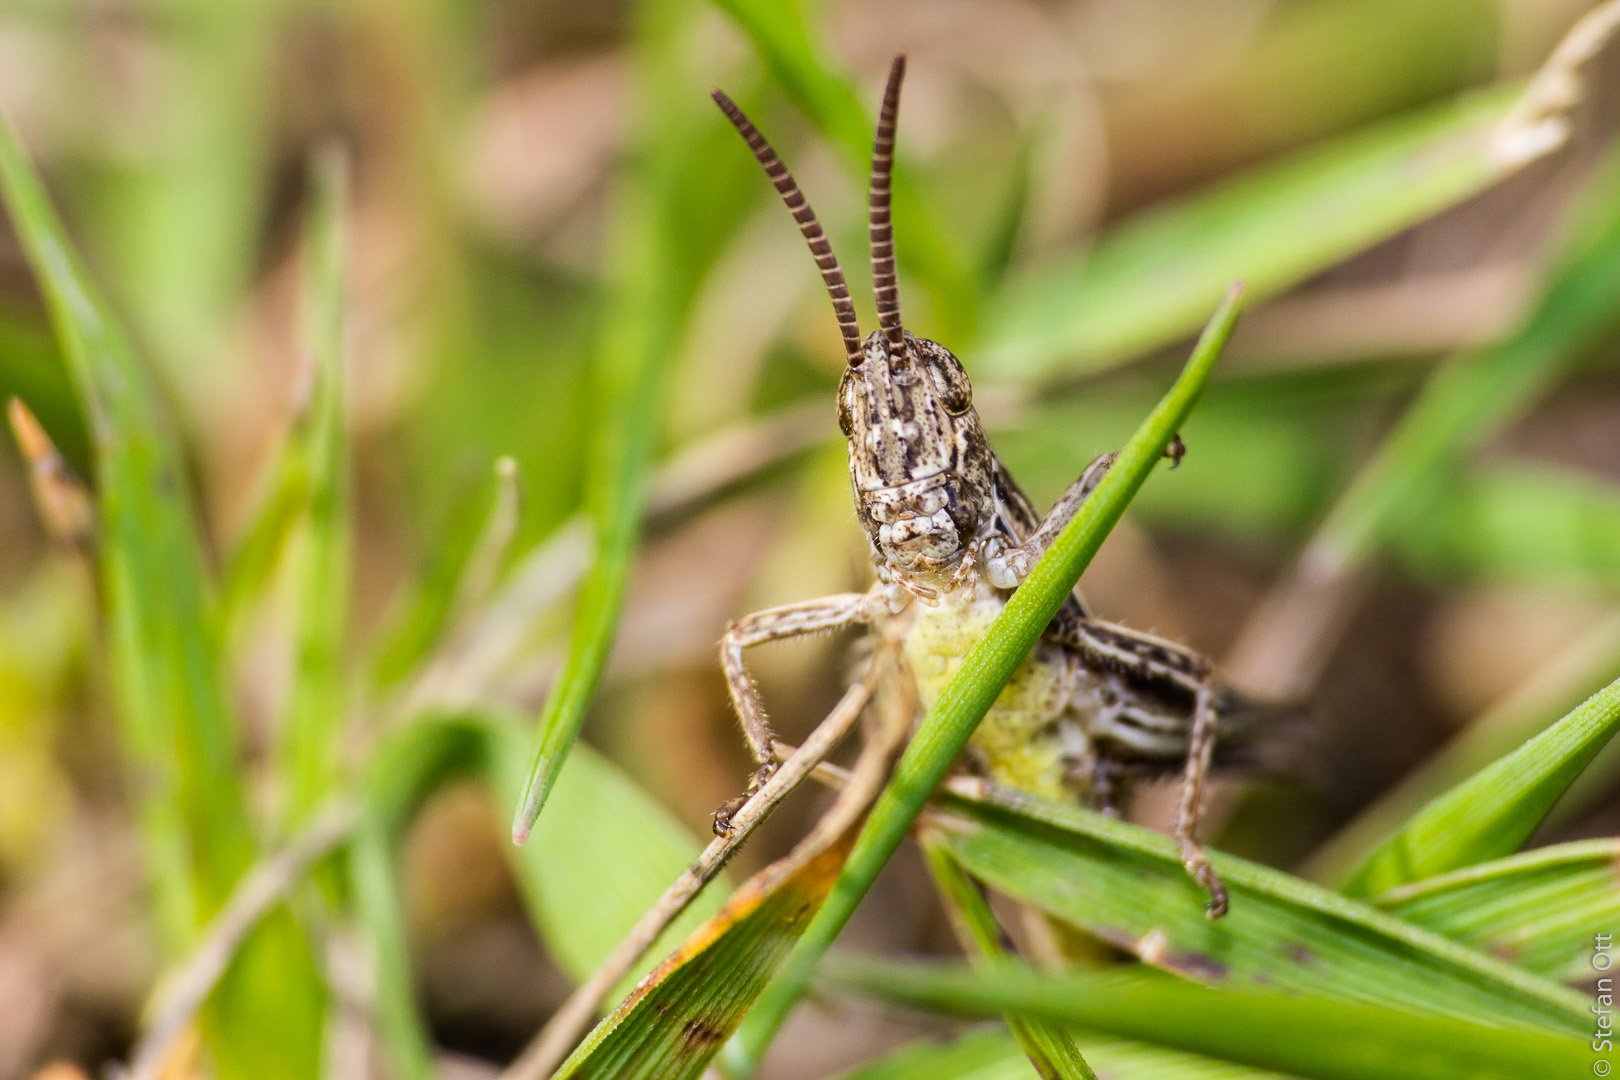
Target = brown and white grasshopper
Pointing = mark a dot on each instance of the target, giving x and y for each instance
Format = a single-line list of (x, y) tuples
[(1094, 706)]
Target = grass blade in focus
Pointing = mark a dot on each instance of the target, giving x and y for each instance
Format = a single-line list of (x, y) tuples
[(1529, 710), (1125, 885), (1491, 813), (1048, 1047), (675, 1021), (946, 729), (1538, 910)]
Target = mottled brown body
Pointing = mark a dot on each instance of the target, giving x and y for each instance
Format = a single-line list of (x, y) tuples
[(951, 535)]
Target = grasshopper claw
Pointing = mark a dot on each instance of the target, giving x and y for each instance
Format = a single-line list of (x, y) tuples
[(1197, 864), (729, 809)]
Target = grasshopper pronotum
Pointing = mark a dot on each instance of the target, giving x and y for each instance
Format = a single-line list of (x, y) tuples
[(1095, 705)]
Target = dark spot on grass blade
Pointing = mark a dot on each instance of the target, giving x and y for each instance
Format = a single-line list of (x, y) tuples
[(1196, 965), (1119, 939), (697, 1033)]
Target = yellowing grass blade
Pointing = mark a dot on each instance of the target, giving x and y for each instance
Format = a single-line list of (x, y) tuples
[(677, 1019)]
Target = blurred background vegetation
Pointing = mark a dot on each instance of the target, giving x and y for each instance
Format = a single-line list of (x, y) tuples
[(557, 252)]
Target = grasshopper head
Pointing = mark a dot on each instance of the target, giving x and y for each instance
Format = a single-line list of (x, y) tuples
[(918, 458)]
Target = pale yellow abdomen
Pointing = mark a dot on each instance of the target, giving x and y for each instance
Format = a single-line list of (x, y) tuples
[(1018, 738)]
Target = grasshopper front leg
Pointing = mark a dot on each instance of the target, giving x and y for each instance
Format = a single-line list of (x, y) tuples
[(779, 624), (1006, 568), (1154, 660)]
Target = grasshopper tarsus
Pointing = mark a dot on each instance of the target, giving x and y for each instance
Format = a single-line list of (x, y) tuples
[(1176, 450), (730, 808), (727, 811), (1197, 865)]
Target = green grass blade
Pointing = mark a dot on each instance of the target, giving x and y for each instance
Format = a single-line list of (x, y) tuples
[(428, 615), (1493, 812), (32, 369), (1299, 1036), (402, 773), (594, 864), (177, 726), (996, 1055), (830, 99), (949, 724), (1538, 910), (1047, 1047), (676, 209), (1147, 281), (1125, 885), (316, 714), (1264, 465), (1560, 687), (375, 894), (603, 854), (278, 506)]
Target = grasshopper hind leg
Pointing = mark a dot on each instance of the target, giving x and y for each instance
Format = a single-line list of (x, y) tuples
[(1153, 705)]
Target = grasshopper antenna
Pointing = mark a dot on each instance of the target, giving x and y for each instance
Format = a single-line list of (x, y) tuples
[(820, 247), (885, 285)]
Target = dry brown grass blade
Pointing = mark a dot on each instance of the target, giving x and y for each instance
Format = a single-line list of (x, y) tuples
[(65, 505)]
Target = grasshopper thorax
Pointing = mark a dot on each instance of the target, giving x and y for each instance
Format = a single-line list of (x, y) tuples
[(918, 458)]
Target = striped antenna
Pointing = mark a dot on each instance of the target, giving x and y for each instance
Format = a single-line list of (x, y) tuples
[(885, 286), (820, 247)]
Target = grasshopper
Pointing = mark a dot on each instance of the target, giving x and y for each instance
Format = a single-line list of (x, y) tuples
[(1094, 706)]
